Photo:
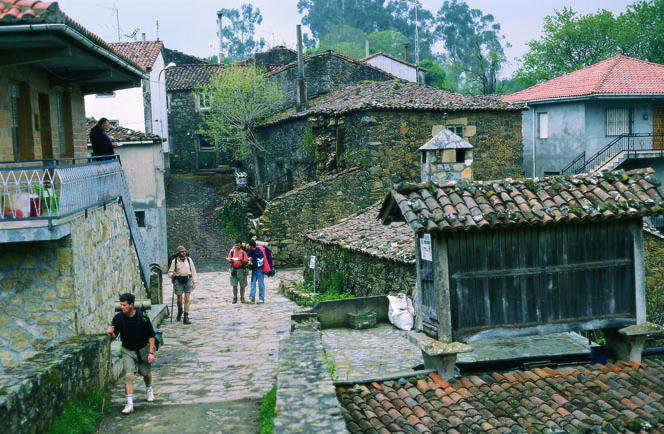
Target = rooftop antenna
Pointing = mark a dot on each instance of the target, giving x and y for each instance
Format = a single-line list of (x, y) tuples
[(117, 18), (133, 34), (157, 30)]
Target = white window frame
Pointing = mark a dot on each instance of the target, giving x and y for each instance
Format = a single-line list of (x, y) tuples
[(543, 125), (618, 121), (203, 101)]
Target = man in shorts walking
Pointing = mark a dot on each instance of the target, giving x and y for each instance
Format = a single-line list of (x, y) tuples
[(137, 337), (183, 275)]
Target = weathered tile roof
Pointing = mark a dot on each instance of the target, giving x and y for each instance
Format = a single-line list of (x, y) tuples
[(618, 75), (121, 134), (393, 95), (144, 53), (306, 59), (180, 58), (466, 205), (189, 77), (364, 233), (621, 397), (21, 12)]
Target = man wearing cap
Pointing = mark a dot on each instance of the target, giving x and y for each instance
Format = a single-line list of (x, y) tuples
[(238, 259), (183, 275)]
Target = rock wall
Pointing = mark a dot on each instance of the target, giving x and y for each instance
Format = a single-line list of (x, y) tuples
[(364, 275), (52, 290), (653, 247), (287, 151), (33, 393), (183, 121)]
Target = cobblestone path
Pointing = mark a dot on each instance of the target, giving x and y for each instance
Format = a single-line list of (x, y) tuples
[(210, 376)]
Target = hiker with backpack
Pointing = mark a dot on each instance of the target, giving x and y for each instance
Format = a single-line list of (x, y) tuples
[(238, 259), (259, 266), (138, 345), (183, 275)]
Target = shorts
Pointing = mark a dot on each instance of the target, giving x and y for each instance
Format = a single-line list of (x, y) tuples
[(131, 364), (183, 287), (240, 277)]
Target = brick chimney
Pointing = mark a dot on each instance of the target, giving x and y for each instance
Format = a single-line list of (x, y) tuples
[(446, 157)]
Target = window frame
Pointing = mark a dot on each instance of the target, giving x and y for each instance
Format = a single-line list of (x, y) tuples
[(201, 99), (455, 129), (616, 127), (543, 127)]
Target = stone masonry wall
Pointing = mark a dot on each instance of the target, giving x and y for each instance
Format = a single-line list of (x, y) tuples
[(653, 246), (33, 393), (183, 121), (286, 151), (313, 206), (364, 275), (52, 290)]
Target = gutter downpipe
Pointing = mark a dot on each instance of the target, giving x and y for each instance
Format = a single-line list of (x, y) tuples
[(533, 134), (78, 36)]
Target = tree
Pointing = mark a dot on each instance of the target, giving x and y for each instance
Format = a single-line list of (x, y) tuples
[(238, 38), (240, 97), (435, 76), (569, 42), (473, 40), (388, 41), (642, 34), (344, 39)]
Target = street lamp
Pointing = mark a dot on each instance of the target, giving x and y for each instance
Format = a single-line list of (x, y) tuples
[(168, 67)]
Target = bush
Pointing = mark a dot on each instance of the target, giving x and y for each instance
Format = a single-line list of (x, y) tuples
[(82, 416), (267, 411), (232, 215), (332, 288)]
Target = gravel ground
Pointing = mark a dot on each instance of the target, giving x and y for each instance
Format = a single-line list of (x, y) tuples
[(192, 222)]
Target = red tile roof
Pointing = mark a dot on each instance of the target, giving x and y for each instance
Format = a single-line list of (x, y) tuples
[(622, 397), (189, 77), (363, 233), (144, 53), (619, 75), (21, 12), (467, 205)]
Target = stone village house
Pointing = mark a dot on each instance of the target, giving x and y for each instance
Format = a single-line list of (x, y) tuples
[(70, 242)]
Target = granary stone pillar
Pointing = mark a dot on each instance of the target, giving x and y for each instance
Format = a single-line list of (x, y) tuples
[(446, 157)]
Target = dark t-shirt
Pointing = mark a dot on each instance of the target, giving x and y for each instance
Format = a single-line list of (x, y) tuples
[(134, 332), (101, 143)]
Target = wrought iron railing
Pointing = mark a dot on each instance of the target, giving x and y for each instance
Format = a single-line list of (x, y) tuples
[(623, 146), (49, 190)]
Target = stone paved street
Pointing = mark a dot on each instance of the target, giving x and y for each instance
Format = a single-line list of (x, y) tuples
[(210, 376)]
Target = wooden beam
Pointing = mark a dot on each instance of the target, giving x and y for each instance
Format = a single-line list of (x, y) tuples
[(60, 77), (14, 56)]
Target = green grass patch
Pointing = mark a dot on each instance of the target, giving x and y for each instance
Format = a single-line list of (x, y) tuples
[(267, 411), (82, 416), (329, 289)]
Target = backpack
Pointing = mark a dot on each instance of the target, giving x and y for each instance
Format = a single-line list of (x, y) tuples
[(172, 258), (267, 255), (158, 334)]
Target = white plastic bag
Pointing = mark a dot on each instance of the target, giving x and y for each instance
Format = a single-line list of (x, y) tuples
[(401, 311)]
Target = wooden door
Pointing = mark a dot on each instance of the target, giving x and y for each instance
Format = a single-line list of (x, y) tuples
[(45, 128), (658, 127), (427, 285)]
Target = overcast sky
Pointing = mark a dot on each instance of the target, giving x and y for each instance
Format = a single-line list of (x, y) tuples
[(191, 26)]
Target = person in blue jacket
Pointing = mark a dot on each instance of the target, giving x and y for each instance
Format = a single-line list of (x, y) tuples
[(101, 143)]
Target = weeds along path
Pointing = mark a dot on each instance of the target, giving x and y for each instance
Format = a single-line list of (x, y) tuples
[(192, 222)]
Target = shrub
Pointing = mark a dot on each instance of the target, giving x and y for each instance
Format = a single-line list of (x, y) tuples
[(267, 411), (232, 215), (82, 416)]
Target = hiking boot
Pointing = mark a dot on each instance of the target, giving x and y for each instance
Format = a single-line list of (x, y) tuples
[(251, 301), (261, 301), (128, 409), (179, 317), (186, 318), (234, 300), (150, 394), (242, 300)]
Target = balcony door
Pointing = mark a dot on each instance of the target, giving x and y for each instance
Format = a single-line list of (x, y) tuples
[(658, 127)]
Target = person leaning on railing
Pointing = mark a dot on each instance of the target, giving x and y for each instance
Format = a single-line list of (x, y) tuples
[(102, 145)]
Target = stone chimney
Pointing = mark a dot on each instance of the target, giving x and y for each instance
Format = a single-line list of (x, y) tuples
[(446, 157), (301, 103)]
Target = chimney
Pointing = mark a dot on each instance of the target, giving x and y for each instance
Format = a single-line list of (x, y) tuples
[(405, 51), (221, 38), (143, 36), (446, 157), (301, 103), (366, 48)]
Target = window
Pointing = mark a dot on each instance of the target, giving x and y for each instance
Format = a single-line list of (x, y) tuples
[(168, 103), (140, 218), (456, 129), (618, 121), (460, 155), (203, 101), (106, 95), (543, 125), (204, 144)]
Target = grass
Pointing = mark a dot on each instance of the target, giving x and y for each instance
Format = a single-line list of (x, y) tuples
[(267, 411), (82, 416), (329, 289)]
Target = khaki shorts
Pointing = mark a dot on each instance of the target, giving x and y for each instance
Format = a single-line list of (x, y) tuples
[(179, 288), (240, 278), (131, 364)]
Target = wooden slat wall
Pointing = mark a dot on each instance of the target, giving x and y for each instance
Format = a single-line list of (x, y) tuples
[(429, 308), (532, 276)]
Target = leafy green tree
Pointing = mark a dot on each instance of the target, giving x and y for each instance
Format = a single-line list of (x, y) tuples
[(388, 41), (472, 39), (569, 42), (238, 38), (240, 97), (344, 39), (435, 76), (642, 35)]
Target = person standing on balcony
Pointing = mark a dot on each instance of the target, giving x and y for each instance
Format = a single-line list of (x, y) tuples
[(138, 340), (183, 275), (101, 143)]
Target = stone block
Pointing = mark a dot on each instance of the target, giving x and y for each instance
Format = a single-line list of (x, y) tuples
[(7, 284), (65, 287), (20, 340)]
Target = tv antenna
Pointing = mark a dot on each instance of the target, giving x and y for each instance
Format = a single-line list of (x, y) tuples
[(133, 34)]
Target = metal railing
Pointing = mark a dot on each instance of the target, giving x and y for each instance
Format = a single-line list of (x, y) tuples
[(53, 189), (623, 146)]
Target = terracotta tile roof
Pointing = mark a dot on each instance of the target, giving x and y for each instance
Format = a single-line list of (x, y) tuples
[(121, 134), (306, 59), (389, 56), (619, 75), (622, 397), (364, 233), (181, 59), (189, 77), (21, 12), (467, 205), (144, 53), (393, 95)]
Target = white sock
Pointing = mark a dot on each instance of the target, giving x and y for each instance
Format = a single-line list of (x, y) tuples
[(130, 399), (148, 387)]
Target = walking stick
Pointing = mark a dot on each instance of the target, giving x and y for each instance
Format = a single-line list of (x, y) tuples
[(172, 297)]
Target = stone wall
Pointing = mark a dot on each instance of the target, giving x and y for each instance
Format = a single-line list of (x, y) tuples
[(183, 121), (316, 205), (653, 246), (33, 393), (287, 151), (52, 290), (364, 275)]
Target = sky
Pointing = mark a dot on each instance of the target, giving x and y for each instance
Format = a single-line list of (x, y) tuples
[(191, 26)]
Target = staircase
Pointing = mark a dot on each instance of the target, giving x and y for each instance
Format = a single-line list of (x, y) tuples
[(619, 150)]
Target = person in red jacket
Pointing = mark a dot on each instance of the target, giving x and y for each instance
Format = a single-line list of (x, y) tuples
[(238, 259)]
